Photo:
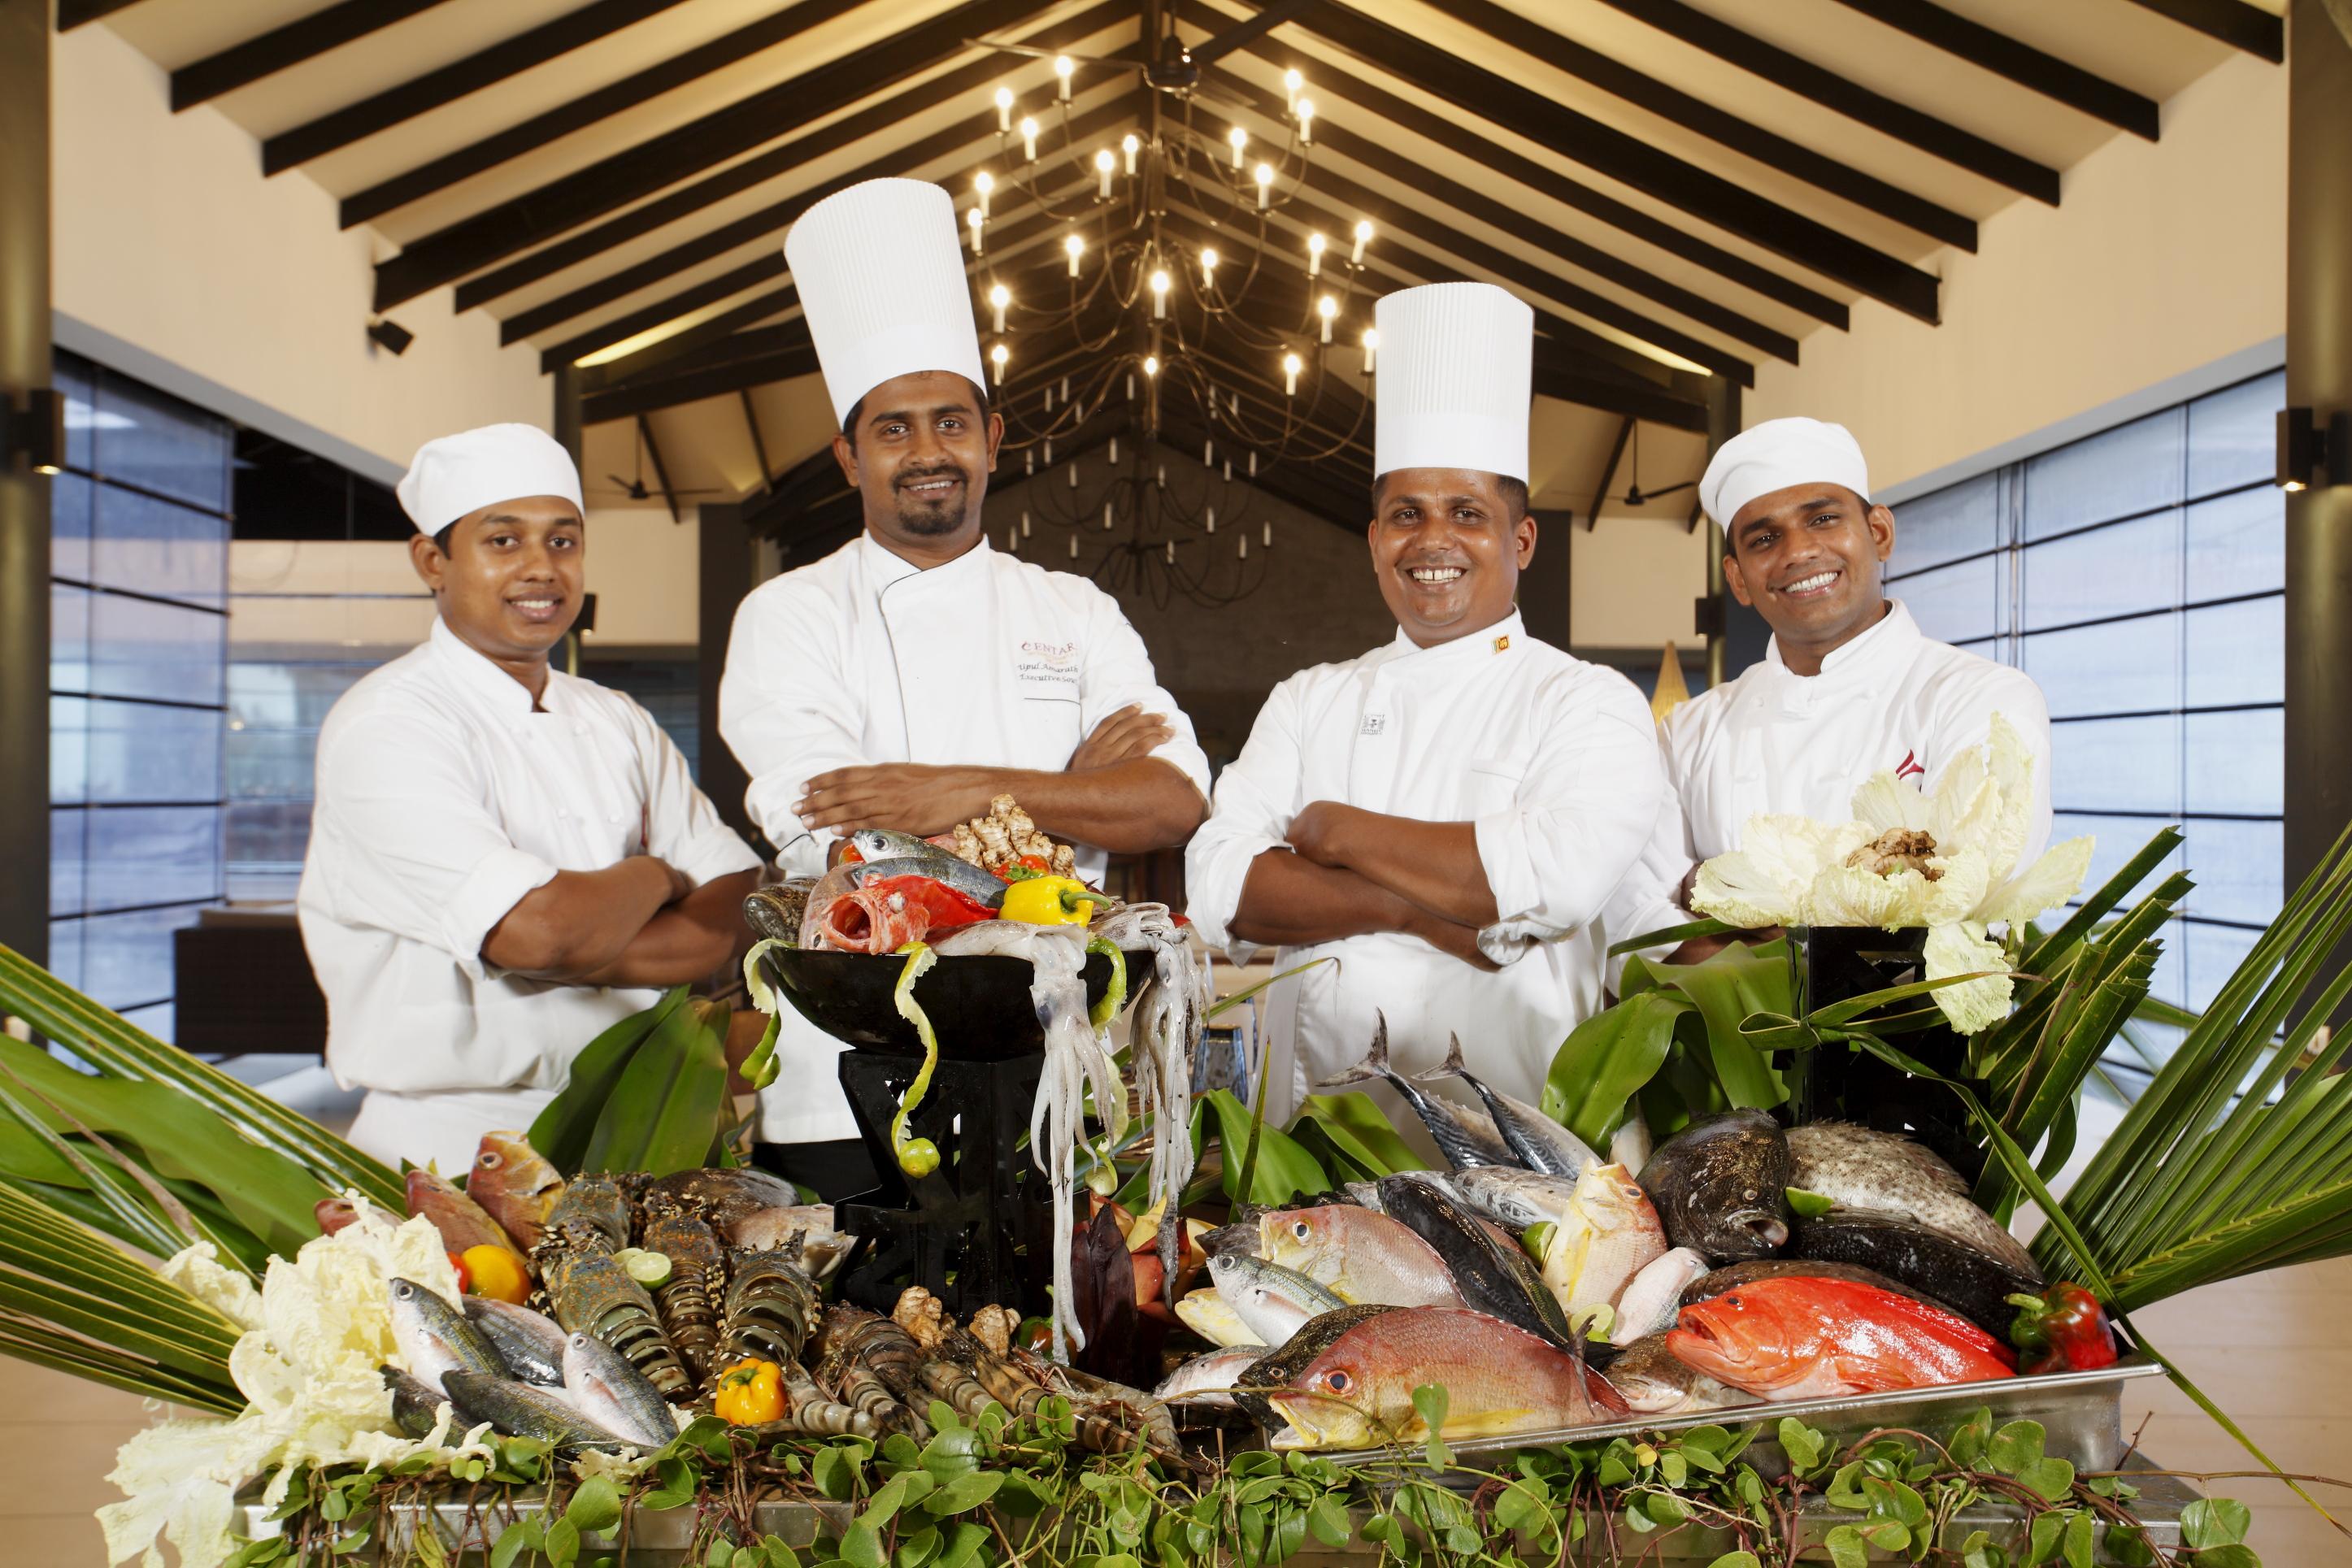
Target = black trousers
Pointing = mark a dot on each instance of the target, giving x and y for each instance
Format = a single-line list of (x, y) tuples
[(836, 1169)]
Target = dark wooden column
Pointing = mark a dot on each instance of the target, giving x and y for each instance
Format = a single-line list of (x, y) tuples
[(1744, 634), (24, 494), (726, 558), (2319, 377)]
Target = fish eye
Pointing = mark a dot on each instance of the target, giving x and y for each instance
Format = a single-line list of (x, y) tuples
[(489, 1161), (1731, 1301), (1300, 1229), (1337, 1381)]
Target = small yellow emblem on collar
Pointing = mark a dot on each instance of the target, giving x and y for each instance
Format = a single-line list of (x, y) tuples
[(1502, 642)]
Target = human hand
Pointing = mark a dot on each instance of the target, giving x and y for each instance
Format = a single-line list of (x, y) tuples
[(1123, 737), (1314, 833), (680, 885), (911, 797), (1699, 949), (1454, 940)]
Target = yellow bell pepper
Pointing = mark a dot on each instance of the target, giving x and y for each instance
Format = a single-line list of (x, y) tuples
[(1049, 901), (750, 1393)]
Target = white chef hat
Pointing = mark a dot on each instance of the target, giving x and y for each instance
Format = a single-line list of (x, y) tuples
[(1455, 361), (454, 475), (880, 272), (1775, 454)]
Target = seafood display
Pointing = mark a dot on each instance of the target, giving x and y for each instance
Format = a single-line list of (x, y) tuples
[(1798, 1338)]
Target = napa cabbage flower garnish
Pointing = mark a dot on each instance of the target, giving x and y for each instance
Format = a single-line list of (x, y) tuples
[(1946, 860)]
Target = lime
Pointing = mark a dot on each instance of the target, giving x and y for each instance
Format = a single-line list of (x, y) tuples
[(646, 1268)]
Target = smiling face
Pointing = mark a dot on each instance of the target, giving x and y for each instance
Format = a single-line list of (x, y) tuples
[(924, 446), (1448, 546), (509, 586), (1807, 558)]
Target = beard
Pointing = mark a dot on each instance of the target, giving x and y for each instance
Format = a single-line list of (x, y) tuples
[(928, 517)]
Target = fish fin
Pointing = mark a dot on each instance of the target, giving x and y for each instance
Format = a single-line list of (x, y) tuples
[(1452, 1067), (1864, 1377), (1375, 1063)]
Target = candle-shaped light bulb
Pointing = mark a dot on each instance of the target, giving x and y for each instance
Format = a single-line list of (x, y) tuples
[(997, 298), (1029, 460), (1073, 546), (997, 356), (1130, 386), (1213, 518), (1104, 164), (1150, 364), (972, 217), (1371, 347), (1028, 139), (1363, 238), (1160, 477), (1208, 267), (1237, 139), (1253, 466), (1048, 399), (1066, 390), (982, 185), (1291, 365), (1171, 552), (1074, 475), (1265, 185), (1291, 82), (1234, 404), (1244, 553), (1161, 283), (1063, 66), (1269, 536), (1315, 244), (1003, 110), (1229, 470), (1306, 122), (1024, 524), (1049, 452), (1328, 308), (1114, 451), (1074, 247), (1129, 145), (1208, 455), (1105, 517)]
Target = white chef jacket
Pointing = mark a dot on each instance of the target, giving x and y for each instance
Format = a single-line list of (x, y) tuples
[(1552, 760), (1774, 741), (863, 658), (443, 797)]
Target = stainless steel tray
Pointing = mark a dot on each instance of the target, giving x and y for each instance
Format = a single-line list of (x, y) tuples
[(2081, 1412)]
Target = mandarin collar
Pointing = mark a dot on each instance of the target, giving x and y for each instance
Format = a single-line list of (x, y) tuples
[(1499, 638), (475, 673), (1889, 644), (887, 569)]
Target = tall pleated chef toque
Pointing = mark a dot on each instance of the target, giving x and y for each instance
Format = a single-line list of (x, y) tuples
[(880, 272), (1452, 380), (454, 475), (1775, 454)]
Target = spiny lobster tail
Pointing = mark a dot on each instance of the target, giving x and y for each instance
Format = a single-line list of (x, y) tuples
[(687, 1301), (771, 1307), (592, 1295)]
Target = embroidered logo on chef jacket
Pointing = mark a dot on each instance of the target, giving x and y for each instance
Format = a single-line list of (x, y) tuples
[(1048, 669), (1909, 767), (1374, 723)]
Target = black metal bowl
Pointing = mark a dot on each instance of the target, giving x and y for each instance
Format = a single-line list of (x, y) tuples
[(978, 1003)]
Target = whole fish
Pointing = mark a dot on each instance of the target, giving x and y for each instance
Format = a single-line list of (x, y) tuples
[(414, 1407), (1648, 1306), (1974, 1284), (615, 1395), (1209, 1313), (1209, 1379), (1721, 1185), (592, 1295), (1494, 1275), (1513, 1198), (1654, 1382), (461, 1221), (434, 1338), (884, 845), (519, 1410), (1794, 1338), (1541, 1144), (1886, 1173), (1629, 1145), (515, 1186), (774, 913), (1367, 1259), (1611, 1234), (1279, 1365), (1240, 1235), (1272, 1302), (1730, 1277), (1358, 1392), (529, 1342), (334, 1213), (1463, 1136)]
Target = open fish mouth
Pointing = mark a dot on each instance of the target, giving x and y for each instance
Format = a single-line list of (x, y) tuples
[(1768, 1228)]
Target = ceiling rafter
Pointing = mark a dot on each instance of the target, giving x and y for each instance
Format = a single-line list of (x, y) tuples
[(72, 14), (484, 68), (2236, 24), (1937, 138), (280, 49), (661, 469), (2028, 66)]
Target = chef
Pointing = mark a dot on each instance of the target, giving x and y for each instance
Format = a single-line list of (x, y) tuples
[(1849, 686), (504, 860), (1445, 814), (915, 674)]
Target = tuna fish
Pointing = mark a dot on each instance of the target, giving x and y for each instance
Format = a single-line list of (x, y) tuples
[(1541, 1144), (1493, 1274), (434, 1338), (1653, 1382), (1463, 1136), (519, 1410), (529, 1342), (1209, 1379), (615, 1395)]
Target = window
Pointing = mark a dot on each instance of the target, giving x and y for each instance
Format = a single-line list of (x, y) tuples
[(2139, 577)]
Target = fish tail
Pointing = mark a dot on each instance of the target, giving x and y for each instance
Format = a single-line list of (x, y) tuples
[(1452, 1067), (1375, 1063)]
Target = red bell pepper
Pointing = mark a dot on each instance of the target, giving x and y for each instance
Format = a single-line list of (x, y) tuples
[(948, 908), (2063, 1329)]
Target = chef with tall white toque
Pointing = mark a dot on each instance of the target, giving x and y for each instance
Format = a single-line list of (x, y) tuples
[(912, 676), (505, 860), (1848, 687), (1445, 814)]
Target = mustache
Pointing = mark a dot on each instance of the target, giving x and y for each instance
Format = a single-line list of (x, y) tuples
[(917, 476)]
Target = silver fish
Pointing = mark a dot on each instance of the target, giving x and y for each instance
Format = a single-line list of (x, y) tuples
[(414, 1407), (1512, 1198), (1271, 1300), (1207, 1379), (1651, 1382), (615, 1395), (434, 1338), (1858, 1168), (519, 1410), (927, 859), (1652, 1302), (1464, 1137), (529, 1342), (1541, 1144)]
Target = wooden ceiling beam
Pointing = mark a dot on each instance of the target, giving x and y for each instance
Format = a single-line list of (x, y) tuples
[(1937, 138), (719, 380), (2236, 24), (483, 68), (2028, 66), (282, 49), (72, 14), (661, 469), (1608, 473)]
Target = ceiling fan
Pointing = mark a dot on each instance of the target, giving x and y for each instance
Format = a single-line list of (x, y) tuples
[(636, 489), (1177, 69), (1634, 495)]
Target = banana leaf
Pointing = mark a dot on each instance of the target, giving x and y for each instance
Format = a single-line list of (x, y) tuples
[(1353, 1127), (563, 1129), (1607, 1060), (118, 1049), (1725, 988), (664, 1115), (1283, 1169)]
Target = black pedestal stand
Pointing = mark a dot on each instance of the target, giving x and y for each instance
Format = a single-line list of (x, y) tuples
[(976, 1231), (1838, 1082)]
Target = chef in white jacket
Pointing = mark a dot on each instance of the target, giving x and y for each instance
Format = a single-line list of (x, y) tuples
[(1849, 686), (505, 860), (915, 674), (1445, 814)]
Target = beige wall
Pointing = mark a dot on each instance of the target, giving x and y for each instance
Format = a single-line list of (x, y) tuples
[(2160, 259), (175, 262), (1632, 578)]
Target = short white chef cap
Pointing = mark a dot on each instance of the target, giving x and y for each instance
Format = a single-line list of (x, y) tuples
[(880, 272), (1454, 365), (1775, 454), (454, 475)]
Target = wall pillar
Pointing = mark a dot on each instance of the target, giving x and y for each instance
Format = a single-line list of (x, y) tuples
[(24, 495), (1743, 635), (726, 578), (2319, 377)]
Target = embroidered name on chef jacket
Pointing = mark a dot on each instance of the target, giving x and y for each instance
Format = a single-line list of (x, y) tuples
[(1909, 767), (1048, 669)]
